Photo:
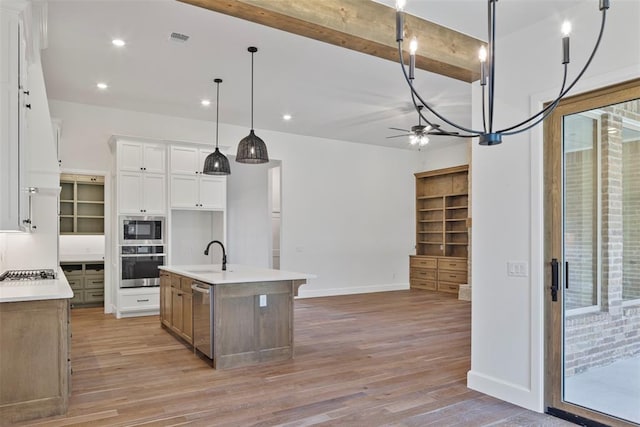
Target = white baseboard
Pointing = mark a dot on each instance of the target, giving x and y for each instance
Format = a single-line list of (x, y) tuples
[(504, 390), (313, 293)]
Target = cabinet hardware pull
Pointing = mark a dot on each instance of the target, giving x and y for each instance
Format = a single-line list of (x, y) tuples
[(28, 106), (143, 300)]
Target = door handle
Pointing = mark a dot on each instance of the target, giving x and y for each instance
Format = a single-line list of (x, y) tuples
[(554, 279), (566, 274)]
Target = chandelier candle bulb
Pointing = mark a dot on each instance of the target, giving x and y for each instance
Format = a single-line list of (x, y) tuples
[(482, 55), (566, 30), (413, 47), (400, 19)]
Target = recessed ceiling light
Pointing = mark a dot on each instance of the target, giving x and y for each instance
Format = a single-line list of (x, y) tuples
[(102, 86), (118, 42), (287, 117), (205, 102)]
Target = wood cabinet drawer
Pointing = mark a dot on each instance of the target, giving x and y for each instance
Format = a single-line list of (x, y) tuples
[(175, 281), (185, 284), (76, 283), (424, 284), (423, 262), (422, 274), (94, 269), (94, 282), (448, 264), (452, 276), (96, 295), (71, 270), (448, 287), (140, 301)]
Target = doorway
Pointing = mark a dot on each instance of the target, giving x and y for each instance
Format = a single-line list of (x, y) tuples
[(592, 246)]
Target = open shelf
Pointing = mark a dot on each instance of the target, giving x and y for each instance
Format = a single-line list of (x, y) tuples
[(81, 204)]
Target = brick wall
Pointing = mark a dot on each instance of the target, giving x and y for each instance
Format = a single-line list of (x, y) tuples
[(579, 228), (631, 220)]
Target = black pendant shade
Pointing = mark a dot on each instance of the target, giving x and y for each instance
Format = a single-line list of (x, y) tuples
[(216, 163), (252, 149)]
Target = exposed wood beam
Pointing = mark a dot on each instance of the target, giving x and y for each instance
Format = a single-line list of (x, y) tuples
[(361, 25)]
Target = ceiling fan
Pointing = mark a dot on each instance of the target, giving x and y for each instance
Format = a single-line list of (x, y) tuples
[(418, 134)]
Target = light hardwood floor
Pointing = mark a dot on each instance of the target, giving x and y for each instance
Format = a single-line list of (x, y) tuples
[(394, 358)]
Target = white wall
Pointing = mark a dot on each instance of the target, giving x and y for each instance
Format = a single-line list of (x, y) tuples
[(249, 225), (507, 314), (347, 209)]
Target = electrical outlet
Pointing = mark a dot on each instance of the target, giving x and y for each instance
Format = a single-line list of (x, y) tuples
[(517, 269), (263, 300)]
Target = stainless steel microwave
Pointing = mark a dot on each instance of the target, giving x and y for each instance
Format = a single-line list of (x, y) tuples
[(147, 230)]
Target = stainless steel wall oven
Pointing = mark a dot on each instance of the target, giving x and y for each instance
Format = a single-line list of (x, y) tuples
[(139, 265)]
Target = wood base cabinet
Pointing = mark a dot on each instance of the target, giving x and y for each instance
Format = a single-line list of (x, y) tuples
[(34, 359), (176, 305), (444, 274)]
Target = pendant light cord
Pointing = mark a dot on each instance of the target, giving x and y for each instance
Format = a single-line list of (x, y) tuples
[(217, 108), (252, 90)]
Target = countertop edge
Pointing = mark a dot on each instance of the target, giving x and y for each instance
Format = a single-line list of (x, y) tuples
[(235, 274)]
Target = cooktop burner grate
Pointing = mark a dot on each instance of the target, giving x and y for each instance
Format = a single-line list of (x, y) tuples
[(28, 274)]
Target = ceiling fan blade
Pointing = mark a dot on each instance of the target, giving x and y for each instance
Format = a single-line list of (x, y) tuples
[(403, 130), (398, 136)]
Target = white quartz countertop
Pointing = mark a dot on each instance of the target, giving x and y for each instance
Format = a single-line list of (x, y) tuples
[(236, 273), (34, 290)]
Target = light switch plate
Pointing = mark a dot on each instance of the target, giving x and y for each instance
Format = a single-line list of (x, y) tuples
[(263, 300), (517, 269)]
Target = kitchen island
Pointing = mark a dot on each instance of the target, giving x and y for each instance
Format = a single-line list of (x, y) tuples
[(34, 336), (238, 317)]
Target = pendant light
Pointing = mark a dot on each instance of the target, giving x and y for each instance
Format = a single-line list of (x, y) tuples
[(251, 148), (216, 163)]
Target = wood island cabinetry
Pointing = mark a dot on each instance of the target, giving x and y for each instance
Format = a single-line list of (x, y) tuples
[(442, 230), (176, 305)]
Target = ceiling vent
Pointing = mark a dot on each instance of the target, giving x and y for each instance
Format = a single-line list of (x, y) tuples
[(178, 37)]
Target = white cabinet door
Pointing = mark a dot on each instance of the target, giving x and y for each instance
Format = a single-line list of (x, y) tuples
[(202, 155), (184, 191), (184, 160), (130, 192), (213, 192), (154, 158), (153, 193), (130, 156), (138, 156)]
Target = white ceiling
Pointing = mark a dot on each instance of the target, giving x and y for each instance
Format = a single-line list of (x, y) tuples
[(330, 91)]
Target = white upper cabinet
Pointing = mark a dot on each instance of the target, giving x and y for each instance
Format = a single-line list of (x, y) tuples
[(14, 199), (190, 188), (188, 160), (198, 192), (140, 193), (141, 157)]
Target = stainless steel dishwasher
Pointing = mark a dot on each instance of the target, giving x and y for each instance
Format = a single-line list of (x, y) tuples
[(203, 318)]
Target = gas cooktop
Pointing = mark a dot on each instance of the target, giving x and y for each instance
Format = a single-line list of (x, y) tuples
[(28, 274)]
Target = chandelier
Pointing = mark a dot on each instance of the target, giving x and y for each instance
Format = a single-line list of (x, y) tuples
[(488, 135)]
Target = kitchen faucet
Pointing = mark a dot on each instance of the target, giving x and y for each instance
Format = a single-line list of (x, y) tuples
[(224, 254)]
